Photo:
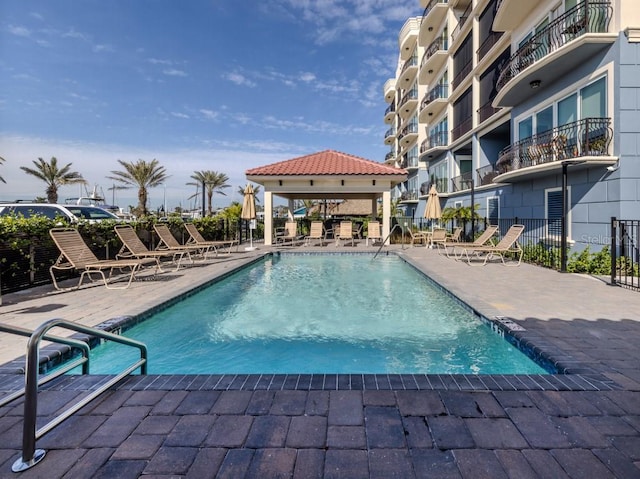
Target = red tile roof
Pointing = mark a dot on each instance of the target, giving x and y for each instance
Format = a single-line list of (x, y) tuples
[(328, 162)]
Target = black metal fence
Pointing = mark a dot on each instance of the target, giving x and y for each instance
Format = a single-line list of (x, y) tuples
[(625, 253)]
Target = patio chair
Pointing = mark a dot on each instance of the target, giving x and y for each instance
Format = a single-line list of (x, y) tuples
[(374, 233), (508, 244), (76, 255), (169, 242), (290, 234), (421, 237), (133, 247), (438, 238), (316, 232), (481, 240), (195, 238), (455, 236), (345, 233)]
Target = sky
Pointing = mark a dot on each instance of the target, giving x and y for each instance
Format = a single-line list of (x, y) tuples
[(222, 85)]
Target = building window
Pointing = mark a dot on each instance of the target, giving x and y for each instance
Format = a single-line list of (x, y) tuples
[(553, 212), (493, 210)]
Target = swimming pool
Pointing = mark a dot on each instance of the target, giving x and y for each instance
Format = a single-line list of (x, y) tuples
[(320, 313)]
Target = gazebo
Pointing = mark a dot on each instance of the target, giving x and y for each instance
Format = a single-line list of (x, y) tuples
[(327, 175)]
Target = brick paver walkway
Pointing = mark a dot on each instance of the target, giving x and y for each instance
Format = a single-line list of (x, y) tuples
[(582, 424)]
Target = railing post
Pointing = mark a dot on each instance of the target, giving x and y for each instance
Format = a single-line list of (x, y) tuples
[(614, 224)]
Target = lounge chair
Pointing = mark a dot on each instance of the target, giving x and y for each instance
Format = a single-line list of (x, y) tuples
[(316, 232), (290, 234), (345, 233), (76, 255), (169, 242), (481, 240), (374, 233), (195, 238), (508, 244), (133, 247)]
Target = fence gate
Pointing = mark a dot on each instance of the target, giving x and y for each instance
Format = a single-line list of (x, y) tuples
[(625, 253)]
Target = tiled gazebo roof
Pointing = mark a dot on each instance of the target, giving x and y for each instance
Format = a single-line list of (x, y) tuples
[(328, 162)]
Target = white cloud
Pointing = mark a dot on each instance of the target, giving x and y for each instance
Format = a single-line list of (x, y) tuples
[(239, 79), (180, 115), (209, 114), (102, 48), (174, 72), (19, 31)]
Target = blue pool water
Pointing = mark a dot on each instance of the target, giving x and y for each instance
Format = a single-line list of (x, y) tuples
[(319, 314)]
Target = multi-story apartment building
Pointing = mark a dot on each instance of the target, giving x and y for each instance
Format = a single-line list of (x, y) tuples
[(518, 104)]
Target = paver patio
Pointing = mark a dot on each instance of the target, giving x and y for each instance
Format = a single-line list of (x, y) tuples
[(582, 424)]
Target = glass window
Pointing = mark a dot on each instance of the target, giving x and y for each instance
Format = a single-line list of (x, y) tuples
[(493, 210), (525, 128), (568, 110), (593, 100), (554, 212), (544, 120)]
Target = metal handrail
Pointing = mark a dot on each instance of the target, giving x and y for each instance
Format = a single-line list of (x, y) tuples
[(385, 240), (73, 343), (31, 456)]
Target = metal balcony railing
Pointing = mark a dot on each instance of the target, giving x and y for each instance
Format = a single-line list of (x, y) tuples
[(389, 156), (409, 195), (411, 62), (390, 109), (486, 111), (462, 74), (410, 95), (390, 132), (430, 6), (587, 137), (488, 43), (463, 19), (589, 16), (436, 93), (434, 140), (437, 45), (407, 130), (462, 182), (486, 174), (461, 128), (409, 161)]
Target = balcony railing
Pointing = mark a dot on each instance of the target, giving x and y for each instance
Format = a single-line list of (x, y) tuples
[(390, 132), (486, 111), (463, 127), (437, 45), (410, 195), (434, 140), (488, 42), (389, 156), (430, 6), (408, 130), (410, 95), (587, 137), (463, 19), (409, 161), (486, 174), (462, 74), (589, 16), (411, 62), (390, 109), (462, 182), (436, 93)]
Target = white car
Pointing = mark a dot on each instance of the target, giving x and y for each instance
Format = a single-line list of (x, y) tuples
[(71, 213)]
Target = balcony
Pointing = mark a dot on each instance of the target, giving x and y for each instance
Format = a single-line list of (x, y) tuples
[(437, 139), (390, 114), (408, 37), (464, 126), (409, 162), (562, 46), (408, 72), (408, 134), (432, 17), (390, 136), (462, 182), (390, 157), (486, 174), (433, 60), (586, 141), (487, 44), (461, 22), (408, 103), (389, 90), (433, 102), (409, 195), (486, 111), (461, 75)]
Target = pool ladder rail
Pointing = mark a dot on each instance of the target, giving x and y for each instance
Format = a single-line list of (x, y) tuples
[(397, 225), (30, 455)]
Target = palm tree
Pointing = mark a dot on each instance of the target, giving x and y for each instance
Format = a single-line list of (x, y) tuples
[(142, 174), (2, 161), (53, 176), (256, 189), (214, 182)]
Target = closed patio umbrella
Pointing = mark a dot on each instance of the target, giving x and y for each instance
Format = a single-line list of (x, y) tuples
[(433, 210), (249, 211)]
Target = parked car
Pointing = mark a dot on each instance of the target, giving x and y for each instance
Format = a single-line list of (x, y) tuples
[(70, 213)]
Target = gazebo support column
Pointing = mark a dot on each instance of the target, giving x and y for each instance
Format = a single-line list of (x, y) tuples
[(268, 218), (386, 215)]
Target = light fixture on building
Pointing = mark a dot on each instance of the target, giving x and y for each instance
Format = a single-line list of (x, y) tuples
[(430, 29), (430, 113), (430, 72), (535, 84)]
